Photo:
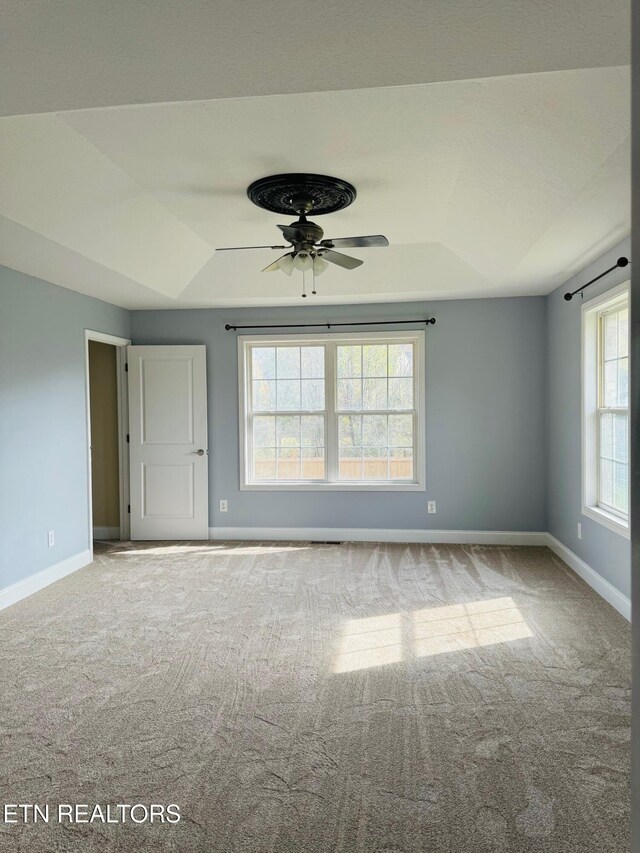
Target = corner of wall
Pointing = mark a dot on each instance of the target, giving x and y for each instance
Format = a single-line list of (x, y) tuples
[(604, 552)]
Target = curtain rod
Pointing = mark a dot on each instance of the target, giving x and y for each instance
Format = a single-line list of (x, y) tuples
[(429, 321), (621, 262)]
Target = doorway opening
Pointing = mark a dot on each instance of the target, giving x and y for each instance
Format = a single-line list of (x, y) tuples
[(107, 420)]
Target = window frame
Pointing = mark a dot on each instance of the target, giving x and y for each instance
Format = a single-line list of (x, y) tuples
[(593, 311), (416, 337)]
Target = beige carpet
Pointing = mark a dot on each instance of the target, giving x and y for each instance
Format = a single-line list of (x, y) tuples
[(296, 698)]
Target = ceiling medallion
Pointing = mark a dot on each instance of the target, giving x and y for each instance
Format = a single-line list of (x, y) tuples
[(301, 193)]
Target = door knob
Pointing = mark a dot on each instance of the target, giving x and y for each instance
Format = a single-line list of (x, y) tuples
[(199, 452)]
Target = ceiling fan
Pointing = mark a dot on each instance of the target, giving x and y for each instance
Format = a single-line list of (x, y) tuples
[(308, 251)]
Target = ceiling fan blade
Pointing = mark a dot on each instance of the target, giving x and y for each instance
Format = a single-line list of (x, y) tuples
[(354, 242), (240, 248), (293, 235), (341, 260), (276, 264)]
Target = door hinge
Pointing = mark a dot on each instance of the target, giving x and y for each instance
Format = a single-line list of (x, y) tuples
[(129, 508), (127, 438), (126, 367)]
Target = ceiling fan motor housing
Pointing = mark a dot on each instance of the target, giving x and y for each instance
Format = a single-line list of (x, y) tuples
[(311, 232)]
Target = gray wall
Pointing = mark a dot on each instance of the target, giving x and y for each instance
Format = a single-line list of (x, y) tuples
[(605, 551), (43, 440), (486, 417)]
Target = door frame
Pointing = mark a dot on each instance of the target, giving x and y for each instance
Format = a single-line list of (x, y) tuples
[(122, 392)]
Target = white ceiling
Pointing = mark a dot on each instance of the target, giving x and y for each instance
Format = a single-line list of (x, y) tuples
[(495, 185), (73, 54)]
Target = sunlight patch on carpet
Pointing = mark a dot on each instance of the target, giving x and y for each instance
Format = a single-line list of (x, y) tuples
[(390, 638)]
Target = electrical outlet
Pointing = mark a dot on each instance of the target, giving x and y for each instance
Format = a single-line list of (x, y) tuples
[(579, 531), (431, 507), (51, 538), (223, 506)]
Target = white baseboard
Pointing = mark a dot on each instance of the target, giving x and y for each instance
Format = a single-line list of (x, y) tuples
[(365, 534), (10, 594), (106, 532), (604, 589)]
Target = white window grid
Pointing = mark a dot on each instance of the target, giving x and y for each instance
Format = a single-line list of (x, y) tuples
[(331, 479), (280, 413), (603, 409)]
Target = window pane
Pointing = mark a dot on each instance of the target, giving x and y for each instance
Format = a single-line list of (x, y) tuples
[(264, 431), (264, 362), (264, 395), (288, 395), (621, 487), (400, 360), (313, 463), (374, 393), (606, 481), (620, 438), (288, 362), (375, 463), (623, 382), (374, 360), (312, 431), (288, 462), (610, 383), (349, 394), (374, 430), (288, 431), (350, 463), (623, 332), (401, 463), (264, 463), (350, 431), (400, 431), (349, 361), (312, 360), (606, 435), (610, 334), (401, 393), (313, 394)]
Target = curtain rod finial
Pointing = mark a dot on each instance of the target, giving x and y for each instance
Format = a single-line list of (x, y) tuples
[(622, 262)]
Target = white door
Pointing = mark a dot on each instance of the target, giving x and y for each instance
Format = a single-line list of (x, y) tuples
[(168, 442)]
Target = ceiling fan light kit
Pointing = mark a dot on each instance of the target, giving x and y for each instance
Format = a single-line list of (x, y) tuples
[(319, 265), (302, 193), (285, 263), (303, 261)]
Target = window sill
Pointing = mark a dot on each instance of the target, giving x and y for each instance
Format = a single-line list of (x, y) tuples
[(608, 519), (332, 487)]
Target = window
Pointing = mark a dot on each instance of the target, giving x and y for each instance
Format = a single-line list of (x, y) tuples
[(606, 409), (613, 410), (337, 412), (288, 415)]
